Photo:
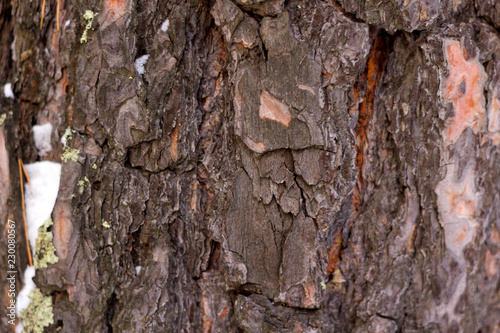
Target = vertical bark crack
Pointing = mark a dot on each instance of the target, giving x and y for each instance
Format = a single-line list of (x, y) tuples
[(110, 312)]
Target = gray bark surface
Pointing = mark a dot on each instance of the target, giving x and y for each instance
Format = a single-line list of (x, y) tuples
[(280, 166)]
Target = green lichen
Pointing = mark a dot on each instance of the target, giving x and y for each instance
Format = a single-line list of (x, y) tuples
[(70, 154), (2, 119), (94, 166), (89, 17), (38, 314), (105, 224), (323, 285), (82, 182), (45, 252), (68, 135)]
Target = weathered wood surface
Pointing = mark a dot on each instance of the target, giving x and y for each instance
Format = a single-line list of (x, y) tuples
[(298, 166)]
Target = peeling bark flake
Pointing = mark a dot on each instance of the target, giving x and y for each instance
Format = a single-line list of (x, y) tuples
[(273, 109), (464, 89)]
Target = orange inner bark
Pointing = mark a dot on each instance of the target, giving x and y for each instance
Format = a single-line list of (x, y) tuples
[(464, 89)]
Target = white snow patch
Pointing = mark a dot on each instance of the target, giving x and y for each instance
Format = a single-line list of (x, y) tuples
[(137, 270), (41, 196), (67, 23), (23, 300), (7, 90), (165, 25), (140, 63), (68, 134), (41, 134)]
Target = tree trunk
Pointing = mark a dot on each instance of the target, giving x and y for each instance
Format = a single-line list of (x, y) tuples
[(275, 166)]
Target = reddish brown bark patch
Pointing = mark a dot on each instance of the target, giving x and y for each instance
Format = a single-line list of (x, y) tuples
[(335, 251), (372, 75), (273, 109), (490, 264), (464, 89), (114, 11), (174, 137), (63, 228)]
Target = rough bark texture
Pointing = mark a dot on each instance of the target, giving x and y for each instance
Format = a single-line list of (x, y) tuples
[(280, 166)]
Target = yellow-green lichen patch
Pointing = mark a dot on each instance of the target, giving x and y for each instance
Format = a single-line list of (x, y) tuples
[(70, 154), (89, 17), (68, 135), (2, 119), (38, 314), (45, 252), (82, 182), (94, 166), (105, 224)]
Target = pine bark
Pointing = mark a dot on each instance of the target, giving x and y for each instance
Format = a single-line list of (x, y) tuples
[(280, 166)]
